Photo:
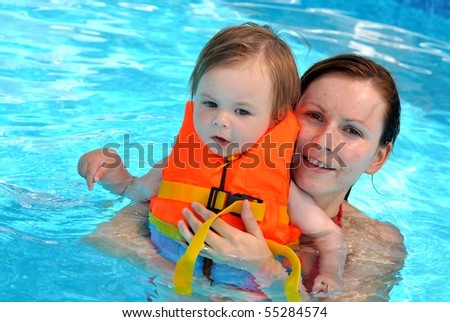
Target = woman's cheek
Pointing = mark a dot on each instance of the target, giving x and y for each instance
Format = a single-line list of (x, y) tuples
[(353, 158)]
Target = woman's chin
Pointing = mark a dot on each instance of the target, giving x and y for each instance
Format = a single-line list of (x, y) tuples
[(311, 183)]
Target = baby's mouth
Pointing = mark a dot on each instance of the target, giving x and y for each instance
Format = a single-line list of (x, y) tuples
[(221, 141)]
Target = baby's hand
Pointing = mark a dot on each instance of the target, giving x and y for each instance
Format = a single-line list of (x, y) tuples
[(326, 285), (99, 164)]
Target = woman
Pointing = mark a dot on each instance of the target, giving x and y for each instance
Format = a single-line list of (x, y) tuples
[(349, 112), (350, 117)]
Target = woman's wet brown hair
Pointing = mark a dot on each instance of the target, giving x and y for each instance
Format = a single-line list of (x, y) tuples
[(362, 68)]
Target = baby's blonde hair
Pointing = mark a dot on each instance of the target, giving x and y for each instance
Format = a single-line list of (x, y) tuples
[(250, 41)]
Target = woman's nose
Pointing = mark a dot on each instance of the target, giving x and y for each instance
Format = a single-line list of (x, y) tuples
[(326, 139), (331, 144)]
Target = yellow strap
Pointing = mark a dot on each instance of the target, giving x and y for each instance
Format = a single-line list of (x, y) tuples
[(190, 193), (184, 269), (293, 280), (183, 192)]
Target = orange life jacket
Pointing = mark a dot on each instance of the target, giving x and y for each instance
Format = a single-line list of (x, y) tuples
[(261, 174)]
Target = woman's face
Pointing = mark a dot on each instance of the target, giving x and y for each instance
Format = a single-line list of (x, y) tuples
[(342, 121)]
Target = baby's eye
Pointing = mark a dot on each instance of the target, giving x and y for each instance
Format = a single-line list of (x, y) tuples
[(210, 104), (241, 111)]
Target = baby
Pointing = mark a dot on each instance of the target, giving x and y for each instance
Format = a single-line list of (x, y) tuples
[(236, 142)]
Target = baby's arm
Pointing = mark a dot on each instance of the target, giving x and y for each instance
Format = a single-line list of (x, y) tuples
[(328, 240), (147, 186), (105, 167)]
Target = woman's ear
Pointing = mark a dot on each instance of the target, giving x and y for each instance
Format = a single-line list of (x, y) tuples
[(379, 159)]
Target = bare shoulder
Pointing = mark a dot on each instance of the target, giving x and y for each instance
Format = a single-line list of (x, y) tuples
[(384, 230), (371, 238), (376, 253)]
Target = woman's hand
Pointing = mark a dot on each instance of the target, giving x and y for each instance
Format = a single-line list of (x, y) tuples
[(226, 244), (247, 250)]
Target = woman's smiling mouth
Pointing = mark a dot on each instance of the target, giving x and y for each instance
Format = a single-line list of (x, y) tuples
[(316, 164)]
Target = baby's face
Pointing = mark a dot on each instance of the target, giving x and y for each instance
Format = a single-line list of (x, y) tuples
[(233, 107)]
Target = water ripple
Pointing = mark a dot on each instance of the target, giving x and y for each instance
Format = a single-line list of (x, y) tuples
[(7, 233), (78, 74)]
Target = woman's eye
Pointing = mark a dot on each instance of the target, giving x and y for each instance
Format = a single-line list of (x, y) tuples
[(353, 131), (240, 111), (315, 116)]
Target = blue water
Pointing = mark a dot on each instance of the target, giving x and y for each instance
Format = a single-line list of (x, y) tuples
[(76, 75)]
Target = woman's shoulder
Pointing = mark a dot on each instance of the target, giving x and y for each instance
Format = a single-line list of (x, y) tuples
[(383, 230), (376, 253)]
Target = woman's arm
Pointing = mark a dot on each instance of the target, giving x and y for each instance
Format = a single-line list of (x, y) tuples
[(127, 236)]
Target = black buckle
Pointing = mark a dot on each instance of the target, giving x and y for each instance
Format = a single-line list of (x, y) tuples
[(216, 205)]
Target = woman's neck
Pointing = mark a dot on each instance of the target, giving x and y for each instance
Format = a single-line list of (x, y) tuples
[(329, 203)]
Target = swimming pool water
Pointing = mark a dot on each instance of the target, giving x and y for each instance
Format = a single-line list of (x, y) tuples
[(76, 75)]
